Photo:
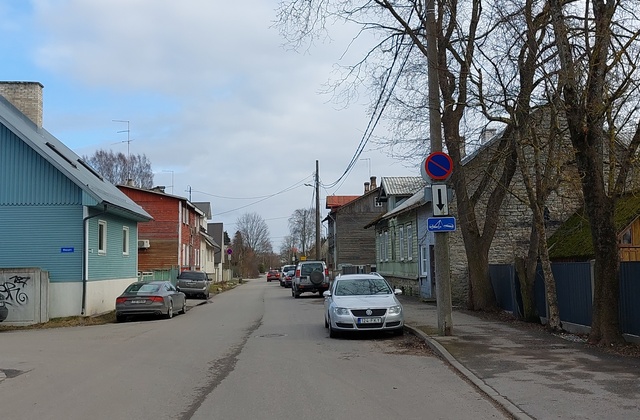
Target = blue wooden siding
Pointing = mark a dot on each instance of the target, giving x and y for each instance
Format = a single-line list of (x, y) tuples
[(28, 179), (113, 264), (47, 237)]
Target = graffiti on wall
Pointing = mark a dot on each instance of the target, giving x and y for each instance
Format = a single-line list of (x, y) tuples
[(12, 291)]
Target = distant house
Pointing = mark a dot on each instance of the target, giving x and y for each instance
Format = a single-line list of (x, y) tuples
[(59, 216), (172, 241), (220, 256), (351, 248), (208, 245), (572, 241), (399, 237)]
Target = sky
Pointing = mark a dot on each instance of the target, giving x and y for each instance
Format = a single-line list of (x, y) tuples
[(207, 90)]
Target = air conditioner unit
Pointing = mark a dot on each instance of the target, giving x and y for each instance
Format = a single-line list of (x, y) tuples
[(143, 243)]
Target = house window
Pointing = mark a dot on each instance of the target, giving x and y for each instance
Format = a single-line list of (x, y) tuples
[(125, 240), (377, 202), (102, 237), (626, 238), (385, 244), (401, 243), (409, 242), (424, 261), (185, 215)]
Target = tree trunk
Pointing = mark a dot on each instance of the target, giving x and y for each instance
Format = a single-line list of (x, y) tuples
[(527, 271)]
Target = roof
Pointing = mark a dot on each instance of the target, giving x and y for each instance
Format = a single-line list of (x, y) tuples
[(573, 237), (205, 207), (401, 185), (70, 164), (416, 200), (156, 191), (335, 201)]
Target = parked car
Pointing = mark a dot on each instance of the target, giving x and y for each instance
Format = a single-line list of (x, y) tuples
[(362, 302), (310, 276), (194, 283), (273, 275), (288, 278), (158, 298), (283, 272)]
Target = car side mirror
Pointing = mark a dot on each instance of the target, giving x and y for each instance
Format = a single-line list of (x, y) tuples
[(326, 293), (397, 292)]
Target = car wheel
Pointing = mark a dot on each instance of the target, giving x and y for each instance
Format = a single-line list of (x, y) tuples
[(326, 324), (296, 294), (170, 310), (184, 306), (292, 294)]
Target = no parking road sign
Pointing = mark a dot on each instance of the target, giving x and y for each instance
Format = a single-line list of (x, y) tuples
[(437, 166)]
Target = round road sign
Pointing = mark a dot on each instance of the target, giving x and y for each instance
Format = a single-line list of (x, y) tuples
[(438, 166)]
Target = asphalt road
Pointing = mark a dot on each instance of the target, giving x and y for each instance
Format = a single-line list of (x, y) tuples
[(250, 353)]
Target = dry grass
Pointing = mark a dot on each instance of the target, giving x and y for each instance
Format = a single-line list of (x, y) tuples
[(107, 318)]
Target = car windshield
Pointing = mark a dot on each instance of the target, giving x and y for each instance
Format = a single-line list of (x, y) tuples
[(288, 268), (192, 275), (362, 287), (291, 272), (143, 288), (307, 269)]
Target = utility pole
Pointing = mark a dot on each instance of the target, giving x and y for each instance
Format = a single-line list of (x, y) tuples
[(318, 255), (443, 277)]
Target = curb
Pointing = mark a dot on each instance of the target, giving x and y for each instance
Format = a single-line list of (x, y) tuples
[(441, 351)]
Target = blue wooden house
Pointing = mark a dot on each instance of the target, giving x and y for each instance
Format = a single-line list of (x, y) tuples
[(59, 216)]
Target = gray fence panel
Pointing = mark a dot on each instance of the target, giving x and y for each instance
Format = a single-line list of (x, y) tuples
[(573, 287), (502, 279), (629, 297), (540, 295)]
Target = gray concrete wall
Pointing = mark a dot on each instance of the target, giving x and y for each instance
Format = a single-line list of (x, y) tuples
[(24, 295)]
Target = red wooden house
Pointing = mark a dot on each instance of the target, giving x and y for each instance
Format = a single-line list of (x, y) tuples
[(172, 239)]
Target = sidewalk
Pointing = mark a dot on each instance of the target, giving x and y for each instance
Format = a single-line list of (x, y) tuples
[(532, 373)]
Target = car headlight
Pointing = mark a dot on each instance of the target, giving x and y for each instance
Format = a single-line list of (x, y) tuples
[(395, 310), (341, 311)]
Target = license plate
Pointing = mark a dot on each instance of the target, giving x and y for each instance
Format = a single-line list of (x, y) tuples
[(369, 320), (138, 301)]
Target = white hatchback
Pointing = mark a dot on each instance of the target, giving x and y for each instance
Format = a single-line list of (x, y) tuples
[(362, 302)]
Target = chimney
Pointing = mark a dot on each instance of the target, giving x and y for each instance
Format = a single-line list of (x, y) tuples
[(366, 187), (373, 183), (27, 97)]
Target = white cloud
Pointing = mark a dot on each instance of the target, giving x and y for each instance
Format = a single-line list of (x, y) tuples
[(210, 95)]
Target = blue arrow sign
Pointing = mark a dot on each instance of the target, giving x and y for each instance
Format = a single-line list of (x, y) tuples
[(441, 224)]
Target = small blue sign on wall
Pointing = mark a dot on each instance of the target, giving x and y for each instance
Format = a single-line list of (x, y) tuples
[(441, 224), (67, 249)]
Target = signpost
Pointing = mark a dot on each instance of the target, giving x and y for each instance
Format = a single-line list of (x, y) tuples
[(436, 169)]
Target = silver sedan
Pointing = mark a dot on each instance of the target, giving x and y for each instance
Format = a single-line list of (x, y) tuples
[(158, 298), (362, 302)]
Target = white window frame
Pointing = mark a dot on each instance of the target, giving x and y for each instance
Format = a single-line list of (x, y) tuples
[(424, 260), (401, 243), (125, 240), (386, 245), (409, 242), (102, 237)]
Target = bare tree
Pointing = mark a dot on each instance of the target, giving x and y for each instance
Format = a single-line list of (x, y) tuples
[(287, 249), (401, 29), (255, 232), (117, 168), (302, 229), (598, 45)]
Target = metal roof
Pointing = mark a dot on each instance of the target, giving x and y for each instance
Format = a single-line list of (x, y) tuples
[(69, 163), (401, 185), (416, 200)]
